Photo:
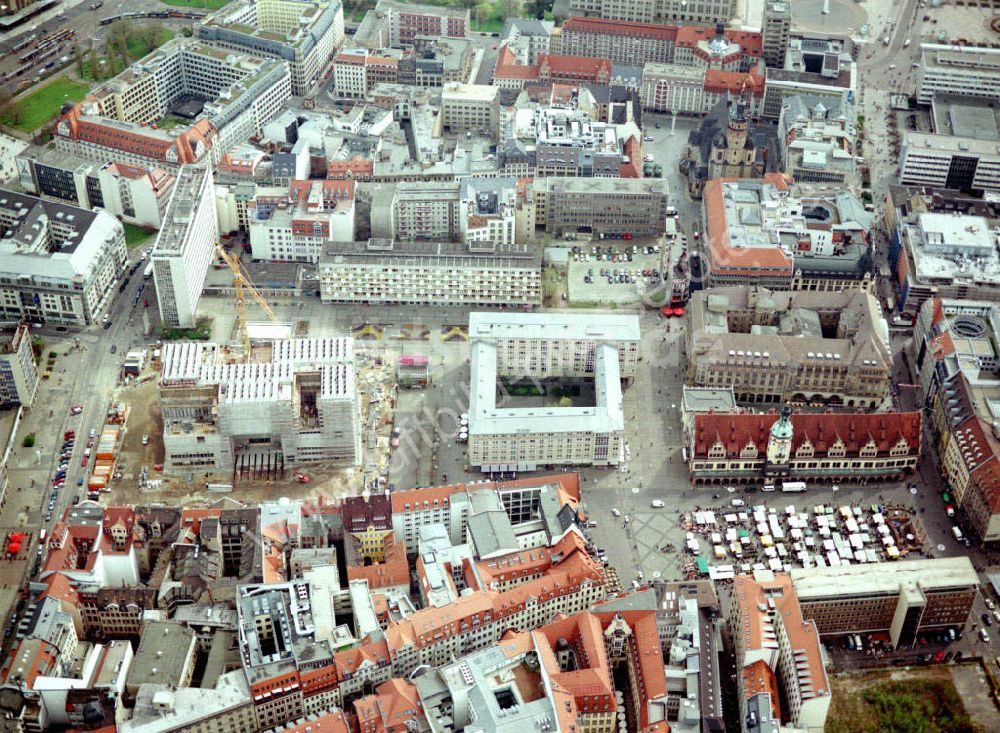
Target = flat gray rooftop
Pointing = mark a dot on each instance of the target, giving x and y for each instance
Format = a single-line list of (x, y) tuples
[(883, 578)]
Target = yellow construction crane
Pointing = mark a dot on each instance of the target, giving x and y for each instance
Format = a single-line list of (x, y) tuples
[(241, 281)]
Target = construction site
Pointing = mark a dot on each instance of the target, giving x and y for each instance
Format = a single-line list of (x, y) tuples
[(270, 409)]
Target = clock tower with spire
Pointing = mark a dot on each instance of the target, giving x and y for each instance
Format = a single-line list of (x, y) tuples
[(779, 444)]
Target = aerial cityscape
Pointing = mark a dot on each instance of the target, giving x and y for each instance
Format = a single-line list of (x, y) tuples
[(512, 366)]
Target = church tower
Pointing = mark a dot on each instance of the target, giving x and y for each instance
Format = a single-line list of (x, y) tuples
[(736, 134), (779, 443)]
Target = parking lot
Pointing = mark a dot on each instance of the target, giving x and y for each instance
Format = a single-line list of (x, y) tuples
[(614, 273)]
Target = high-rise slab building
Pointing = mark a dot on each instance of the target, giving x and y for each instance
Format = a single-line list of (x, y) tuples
[(776, 31), (185, 247)]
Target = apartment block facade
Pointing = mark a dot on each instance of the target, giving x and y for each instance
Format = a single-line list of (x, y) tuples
[(429, 273), (971, 71), (902, 599), (405, 21), (656, 11), (776, 31), (621, 41), (948, 161), (18, 375), (471, 108), (955, 356), (601, 206), (134, 194), (294, 224)]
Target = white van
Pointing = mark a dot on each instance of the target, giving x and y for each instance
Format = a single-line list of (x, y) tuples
[(657, 504), (738, 502), (957, 532)]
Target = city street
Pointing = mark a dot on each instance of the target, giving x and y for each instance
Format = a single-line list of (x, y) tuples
[(75, 14), (85, 374)]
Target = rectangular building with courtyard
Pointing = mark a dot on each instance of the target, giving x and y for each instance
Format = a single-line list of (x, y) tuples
[(547, 389), (304, 34), (183, 103), (800, 347)]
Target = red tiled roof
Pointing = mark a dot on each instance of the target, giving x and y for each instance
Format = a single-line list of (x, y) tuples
[(735, 82), (736, 431), (394, 571), (750, 42), (507, 67), (331, 722), (938, 314), (759, 678), (746, 260), (649, 656), (138, 140), (942, 345), (558, 66), (349, 661), (583, 633), (751, 599)]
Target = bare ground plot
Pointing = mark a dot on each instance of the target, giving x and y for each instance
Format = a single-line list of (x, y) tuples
[(923, 699)]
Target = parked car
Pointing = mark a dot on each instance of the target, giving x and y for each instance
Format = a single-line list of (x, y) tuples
[(76, 409)]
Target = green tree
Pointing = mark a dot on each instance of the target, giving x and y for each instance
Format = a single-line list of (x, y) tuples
[(29, 440), (483, 12), (79, 60)]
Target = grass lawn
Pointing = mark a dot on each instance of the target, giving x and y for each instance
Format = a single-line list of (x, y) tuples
[(44, 103), (493, 24), (205, 4), (137, 48), (136, 236), (170, 122), (110, 68), (923, 700)]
